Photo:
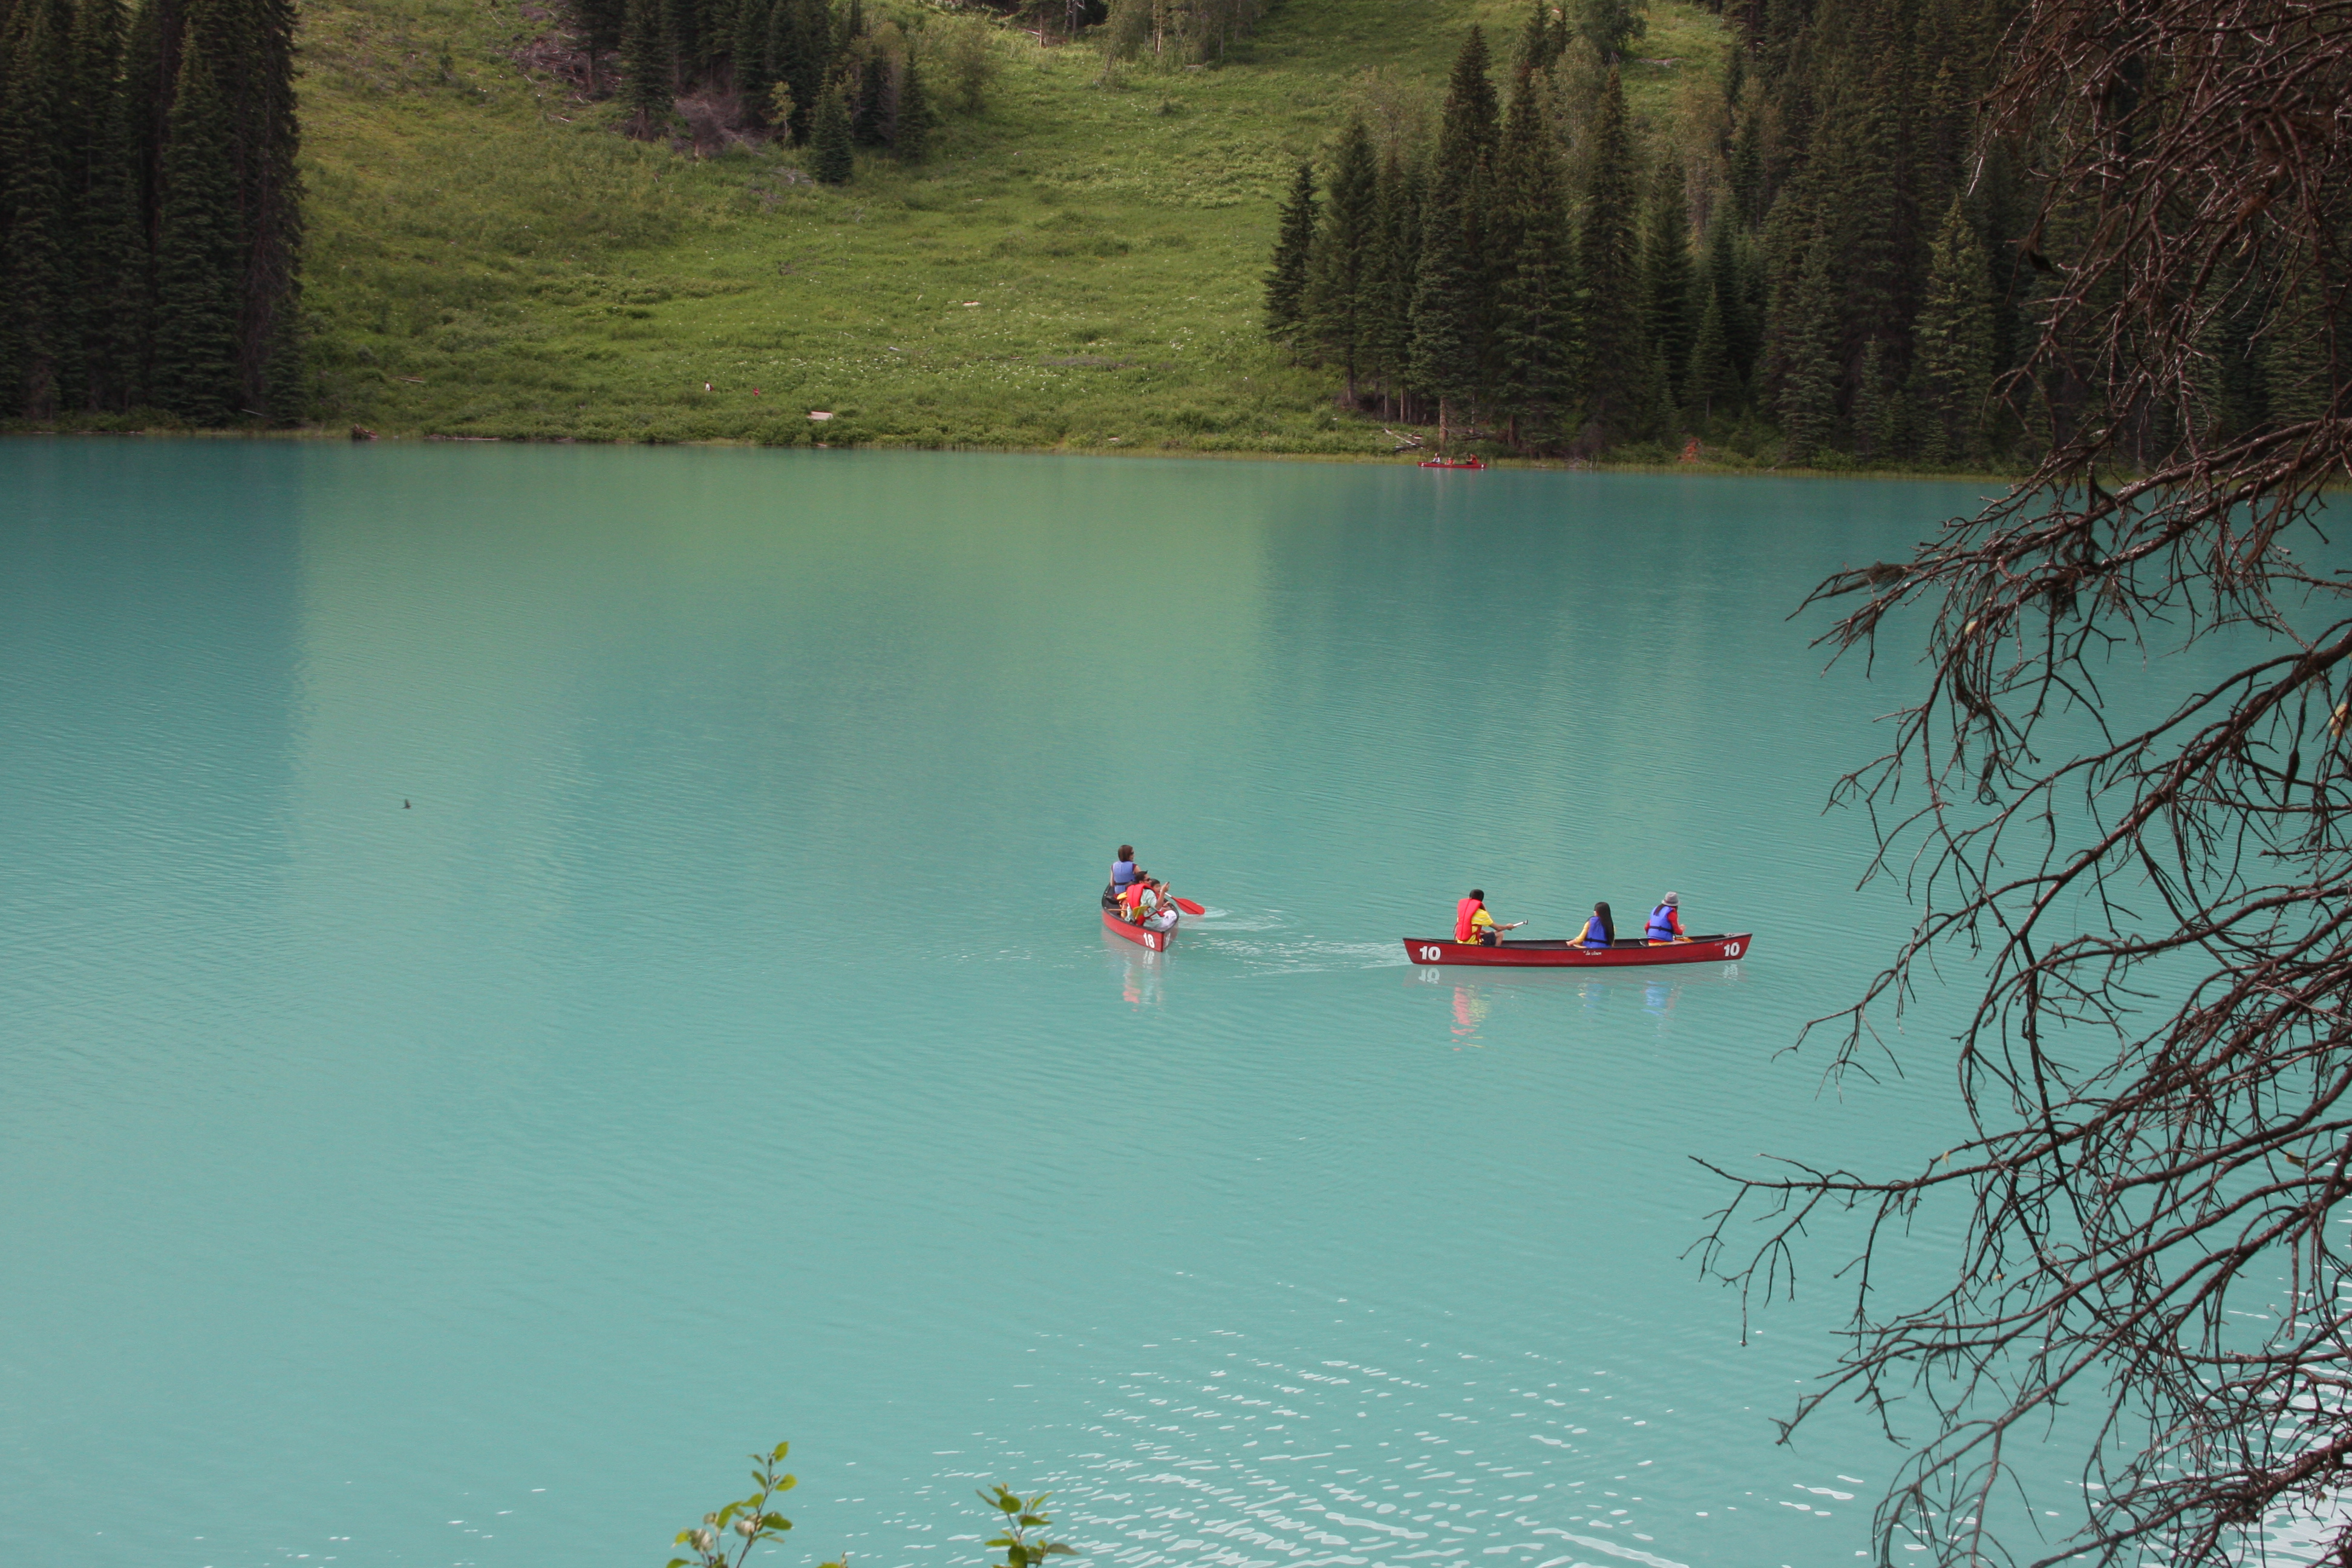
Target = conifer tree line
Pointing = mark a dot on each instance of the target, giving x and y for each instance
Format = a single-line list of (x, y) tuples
[(150, 217), (1820, 265), (821, 76)]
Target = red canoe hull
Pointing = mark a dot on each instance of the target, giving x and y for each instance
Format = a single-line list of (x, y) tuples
[(1156, 941), (1453, 463), (1560, 955)]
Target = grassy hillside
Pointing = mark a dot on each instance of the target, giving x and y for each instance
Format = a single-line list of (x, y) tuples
[(1077, 266)]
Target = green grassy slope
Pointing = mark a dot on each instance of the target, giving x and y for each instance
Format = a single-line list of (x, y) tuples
[(1077, 267)]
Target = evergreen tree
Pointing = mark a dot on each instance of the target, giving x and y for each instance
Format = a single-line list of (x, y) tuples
[(1446, 302), (1711, 384), (1877, 405), (1870, 205), (1542, 40), (196, 253), (1389, 285), (680, 22), (652, 67), (103, 186), (1665, 418), (1294, 248), (1453, 290), (869, 107), (1730, 285), (1954, 342), (1332, 305), (1616, 358), (600, 22), (749, 55), (2296, 356), (36, 232), (1535, 307), (1809, 392), (269, 202), (832, 160), (1744, 176), (1471, 113), (801, 55), (1667, 274), (910, 134)]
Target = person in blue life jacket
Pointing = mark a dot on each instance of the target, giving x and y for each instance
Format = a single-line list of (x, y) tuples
[(1666, 922), (1600, 931), (1123, 874)]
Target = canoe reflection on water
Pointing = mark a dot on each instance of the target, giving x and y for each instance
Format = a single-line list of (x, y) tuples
[(1138, 970), (1473, 1002), (1138, 979)]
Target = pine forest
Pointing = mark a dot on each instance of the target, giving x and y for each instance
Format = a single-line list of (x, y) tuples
[(150, 214), (1822, 266)]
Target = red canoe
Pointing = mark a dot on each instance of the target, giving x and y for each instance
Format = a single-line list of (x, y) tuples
[(1560, 954), (1452, 462), (1156, 941)]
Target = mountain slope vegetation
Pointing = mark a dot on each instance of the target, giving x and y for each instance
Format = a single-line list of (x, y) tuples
[(1079, 264)]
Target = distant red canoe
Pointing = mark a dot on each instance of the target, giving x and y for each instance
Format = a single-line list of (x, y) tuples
[(1561, 954), (1453, 462), (1156, 941)]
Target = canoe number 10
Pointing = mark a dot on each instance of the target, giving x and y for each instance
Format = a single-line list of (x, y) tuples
[(1731, 949), (1432, 954)]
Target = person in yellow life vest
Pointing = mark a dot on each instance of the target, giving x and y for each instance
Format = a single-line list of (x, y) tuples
[(1473, 926)]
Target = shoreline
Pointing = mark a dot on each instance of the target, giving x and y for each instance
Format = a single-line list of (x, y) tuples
[(1497, 464)]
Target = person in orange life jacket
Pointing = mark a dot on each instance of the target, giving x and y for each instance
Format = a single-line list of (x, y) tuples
[(1665, 923), (1474, 927), (1599, 931), (1124, 873), (1157, 909), (1143, 898)]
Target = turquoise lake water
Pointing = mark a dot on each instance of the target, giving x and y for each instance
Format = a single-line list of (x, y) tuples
[(528, 974)]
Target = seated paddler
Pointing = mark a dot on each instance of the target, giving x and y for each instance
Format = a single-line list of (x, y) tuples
[(1665, 922), (1123, 876), (1599, 931), (1473, 926)]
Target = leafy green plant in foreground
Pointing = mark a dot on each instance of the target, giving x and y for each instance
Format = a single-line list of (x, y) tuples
[(749, 1520), (1023, 1515)]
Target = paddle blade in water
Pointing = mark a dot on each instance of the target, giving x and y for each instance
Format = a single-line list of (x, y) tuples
[(1189, 907)]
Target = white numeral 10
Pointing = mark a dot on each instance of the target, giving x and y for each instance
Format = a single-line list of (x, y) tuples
[(1432, 954)]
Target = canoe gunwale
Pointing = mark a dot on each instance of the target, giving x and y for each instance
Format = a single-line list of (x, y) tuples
[(1563, 954)]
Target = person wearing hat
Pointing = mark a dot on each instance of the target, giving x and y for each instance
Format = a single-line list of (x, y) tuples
[(1666, 922)]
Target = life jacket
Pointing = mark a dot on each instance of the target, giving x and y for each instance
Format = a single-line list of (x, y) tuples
[(1130, 900), (1461, 913), (1595, 933), (1662, 925), (1122, 872)]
